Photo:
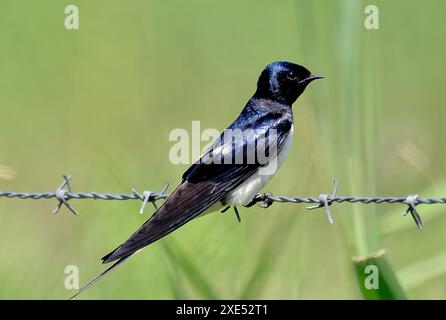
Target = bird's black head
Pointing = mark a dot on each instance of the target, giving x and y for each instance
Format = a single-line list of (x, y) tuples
[(283, 82)]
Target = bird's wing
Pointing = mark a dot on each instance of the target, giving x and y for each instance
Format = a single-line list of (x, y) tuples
[(203, 185), (186, 202)]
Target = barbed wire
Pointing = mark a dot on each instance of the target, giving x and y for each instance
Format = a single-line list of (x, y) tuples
[(64, 193)]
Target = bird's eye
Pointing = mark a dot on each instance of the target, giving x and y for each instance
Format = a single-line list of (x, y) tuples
[(291, 75)]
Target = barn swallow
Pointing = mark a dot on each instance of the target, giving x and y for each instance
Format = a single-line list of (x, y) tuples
[(211, 184)]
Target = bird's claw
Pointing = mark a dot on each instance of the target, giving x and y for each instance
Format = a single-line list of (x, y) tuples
[(266, 200)]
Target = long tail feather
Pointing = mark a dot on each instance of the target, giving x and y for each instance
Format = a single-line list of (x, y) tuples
[(100, 276)]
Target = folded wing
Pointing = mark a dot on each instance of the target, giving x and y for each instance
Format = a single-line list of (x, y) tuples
[(205, 183)]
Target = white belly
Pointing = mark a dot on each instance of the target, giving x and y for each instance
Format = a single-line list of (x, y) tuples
[(248, 189)]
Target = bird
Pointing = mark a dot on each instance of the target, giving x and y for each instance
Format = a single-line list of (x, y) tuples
[(212, 182)]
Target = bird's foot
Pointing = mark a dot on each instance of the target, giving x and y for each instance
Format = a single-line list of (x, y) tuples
[(264, 198), (253, 202)]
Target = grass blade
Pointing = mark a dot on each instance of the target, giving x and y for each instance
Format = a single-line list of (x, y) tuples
[(423, 271), (388, 287), (194, 275)]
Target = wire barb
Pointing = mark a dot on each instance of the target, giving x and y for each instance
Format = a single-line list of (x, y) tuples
[(326, 200), (147, 196), (411, 201), (60, 195)]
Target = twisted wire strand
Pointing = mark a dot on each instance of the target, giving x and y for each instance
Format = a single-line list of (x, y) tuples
[(154, 196), (353, 199), (79, 195), (63, 193)]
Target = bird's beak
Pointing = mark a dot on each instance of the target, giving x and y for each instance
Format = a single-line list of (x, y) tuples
[(312, 77)]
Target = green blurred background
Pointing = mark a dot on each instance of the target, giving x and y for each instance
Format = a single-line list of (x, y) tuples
[(99, 103)]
